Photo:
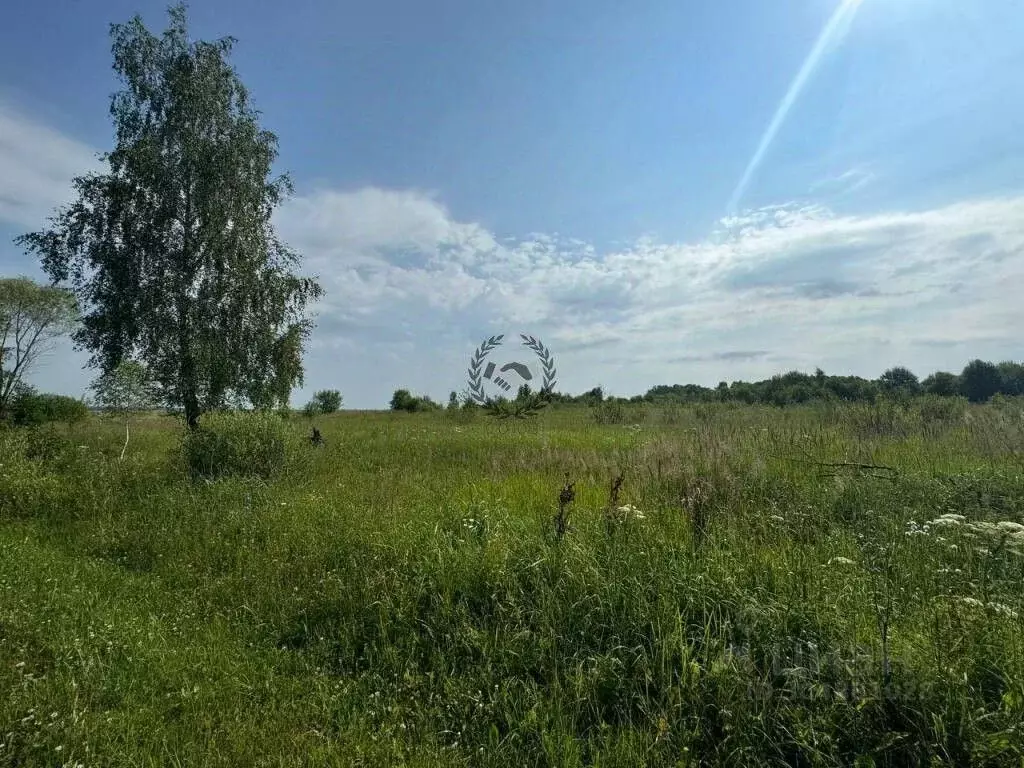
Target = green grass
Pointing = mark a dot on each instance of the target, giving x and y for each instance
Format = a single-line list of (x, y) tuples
[(399, 597)]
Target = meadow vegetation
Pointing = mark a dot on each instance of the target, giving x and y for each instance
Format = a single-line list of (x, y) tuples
[(816, 585), (810, 570)]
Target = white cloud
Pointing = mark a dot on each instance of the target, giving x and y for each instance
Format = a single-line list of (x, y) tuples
[(411, 289), (801, 285), (37, 164), (844, 183), (348, 227)]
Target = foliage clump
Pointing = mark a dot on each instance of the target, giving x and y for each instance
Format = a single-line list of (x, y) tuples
[(31, 408), (324, 402), (32, 317), (239, 444), (404, 400)]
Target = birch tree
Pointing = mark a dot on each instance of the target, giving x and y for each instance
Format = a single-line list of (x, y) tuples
[(171, 250)]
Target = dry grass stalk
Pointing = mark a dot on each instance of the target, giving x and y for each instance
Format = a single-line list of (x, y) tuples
[(613, 502), (697, 495), (565, 497)]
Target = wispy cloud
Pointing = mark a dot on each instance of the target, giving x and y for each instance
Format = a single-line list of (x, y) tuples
[(845, 183), (36, 167), (411, 288), (801, 286), (729, 356)]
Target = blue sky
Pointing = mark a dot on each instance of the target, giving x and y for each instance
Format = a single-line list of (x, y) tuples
[(565, 169)]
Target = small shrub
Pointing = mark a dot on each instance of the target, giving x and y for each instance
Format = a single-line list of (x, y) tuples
[(403, 400), (45, 444), (237, 444), (326, 401)]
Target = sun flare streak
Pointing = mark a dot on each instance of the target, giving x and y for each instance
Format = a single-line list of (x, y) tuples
[(833, 32)]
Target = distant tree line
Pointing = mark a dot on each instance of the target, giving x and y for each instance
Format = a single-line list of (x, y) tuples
[(979, 381)]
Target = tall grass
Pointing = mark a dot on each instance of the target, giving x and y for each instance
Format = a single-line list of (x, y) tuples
[(789, 594)]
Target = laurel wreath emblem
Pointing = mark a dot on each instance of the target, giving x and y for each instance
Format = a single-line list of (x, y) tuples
[(476, 387), (518, 409)]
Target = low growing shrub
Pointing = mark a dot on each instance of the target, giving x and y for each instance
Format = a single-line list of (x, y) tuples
[(31, 408), (238, 444)]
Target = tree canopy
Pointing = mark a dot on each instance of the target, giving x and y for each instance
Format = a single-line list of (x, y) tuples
[(325, 401), (124, 389), (32, 316), (171, 250), (979, 381), (899, 380)]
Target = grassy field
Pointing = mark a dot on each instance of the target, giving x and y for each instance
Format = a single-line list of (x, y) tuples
[(400, 596)]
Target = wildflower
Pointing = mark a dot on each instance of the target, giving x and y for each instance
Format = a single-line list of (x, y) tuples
[(1003, 610), (1010, 527), (913, 529), (973, 602), (628, 510), (984, 528), (841, 561)]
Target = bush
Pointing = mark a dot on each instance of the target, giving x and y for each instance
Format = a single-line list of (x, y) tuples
[(326, 401), (403, 400), (46, 445), (425, 403), (240, 444), (979, 381), (32, 409), (942, 383)]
